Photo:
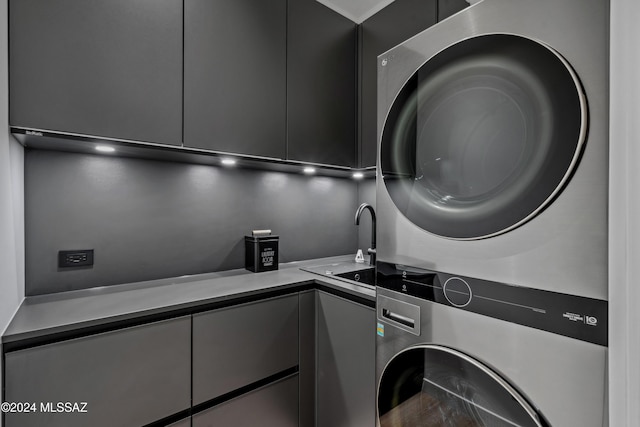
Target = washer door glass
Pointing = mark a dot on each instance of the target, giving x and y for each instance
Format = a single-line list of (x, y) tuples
[(483, 136), (432, 386)]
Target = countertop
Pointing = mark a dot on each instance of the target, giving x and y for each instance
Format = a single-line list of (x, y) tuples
[(46, 315)]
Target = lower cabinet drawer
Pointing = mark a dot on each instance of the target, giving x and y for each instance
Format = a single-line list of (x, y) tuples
[(275, 405), (182, 423), (237, 346), (128, 377)]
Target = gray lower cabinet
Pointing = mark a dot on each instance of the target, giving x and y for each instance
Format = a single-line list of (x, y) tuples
[(183, 423), (129, 377), (307, 371), (240, 345), (321, 84), (345, 363), (275, 405), (139, 375), (105, 68), (235, 76)]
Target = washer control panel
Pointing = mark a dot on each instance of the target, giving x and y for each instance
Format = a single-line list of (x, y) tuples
[(569, 315)]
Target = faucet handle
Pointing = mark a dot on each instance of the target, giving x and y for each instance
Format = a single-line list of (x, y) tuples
[(372, 257)]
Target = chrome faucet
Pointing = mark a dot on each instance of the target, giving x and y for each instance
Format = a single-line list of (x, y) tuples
[(372, 250)]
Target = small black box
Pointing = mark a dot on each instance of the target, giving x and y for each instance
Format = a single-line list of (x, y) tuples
[(261, 253)]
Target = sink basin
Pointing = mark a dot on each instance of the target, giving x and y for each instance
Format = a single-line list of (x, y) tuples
[(350, 271)]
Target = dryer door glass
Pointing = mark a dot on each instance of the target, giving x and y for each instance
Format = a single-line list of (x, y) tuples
[(483, 136), (432, 386)]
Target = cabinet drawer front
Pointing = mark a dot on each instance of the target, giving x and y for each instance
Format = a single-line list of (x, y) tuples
[(275, 405), (237, 346), (128, 377), (184, 423)]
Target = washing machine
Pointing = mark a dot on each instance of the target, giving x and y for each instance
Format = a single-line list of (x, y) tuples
[(456, 351), (492, 195)]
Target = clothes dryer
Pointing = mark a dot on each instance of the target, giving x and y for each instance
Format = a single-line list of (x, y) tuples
[(493, 146)]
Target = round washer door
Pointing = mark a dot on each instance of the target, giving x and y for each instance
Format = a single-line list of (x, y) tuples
[(483, 136), (434, 386)]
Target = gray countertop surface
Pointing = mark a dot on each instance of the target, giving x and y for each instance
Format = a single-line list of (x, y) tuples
[(43, 315)]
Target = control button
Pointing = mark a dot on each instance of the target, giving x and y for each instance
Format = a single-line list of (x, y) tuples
[(457, 292)]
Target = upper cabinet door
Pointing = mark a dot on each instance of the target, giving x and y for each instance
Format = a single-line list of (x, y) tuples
[(321, 86), (446, 8), (391, 26), (95, 67), (235, 76)]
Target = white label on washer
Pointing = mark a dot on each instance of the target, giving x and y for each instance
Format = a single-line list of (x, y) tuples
[(574, 317)]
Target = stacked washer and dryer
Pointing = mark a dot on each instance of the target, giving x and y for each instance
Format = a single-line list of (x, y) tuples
[(492, 219)]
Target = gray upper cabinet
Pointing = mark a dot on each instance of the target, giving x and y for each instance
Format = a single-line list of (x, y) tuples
[(129, 377), (281, 79), (321, 85), (394, 24), (446, 8), (104, 68), (235, 76)]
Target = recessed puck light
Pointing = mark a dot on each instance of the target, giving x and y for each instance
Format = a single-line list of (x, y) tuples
[(105, 149)]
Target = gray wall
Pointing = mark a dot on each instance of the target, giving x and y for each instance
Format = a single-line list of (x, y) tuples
[(11, 226), (624, 211), (11, 198), (149, 219)]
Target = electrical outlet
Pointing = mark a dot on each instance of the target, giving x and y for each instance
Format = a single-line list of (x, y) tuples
[(78, 258)]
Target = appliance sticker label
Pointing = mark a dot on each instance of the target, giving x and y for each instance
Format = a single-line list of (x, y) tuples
[(591, 320), (380, 329), (573, 317), (587, 320)]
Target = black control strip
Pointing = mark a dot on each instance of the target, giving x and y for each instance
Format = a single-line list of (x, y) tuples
[(569, 315)]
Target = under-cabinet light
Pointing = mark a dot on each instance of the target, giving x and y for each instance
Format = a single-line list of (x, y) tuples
[(105, 149)]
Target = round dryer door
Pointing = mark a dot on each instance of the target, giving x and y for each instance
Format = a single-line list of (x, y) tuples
[(433, 386), (483, 136)]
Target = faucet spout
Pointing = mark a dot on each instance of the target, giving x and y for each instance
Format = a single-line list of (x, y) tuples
[(372, 249)]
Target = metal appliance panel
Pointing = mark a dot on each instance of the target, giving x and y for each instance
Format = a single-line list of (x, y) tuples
[(564, 378)]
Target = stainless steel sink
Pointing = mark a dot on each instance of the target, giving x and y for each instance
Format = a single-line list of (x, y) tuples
[(350, 271)]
